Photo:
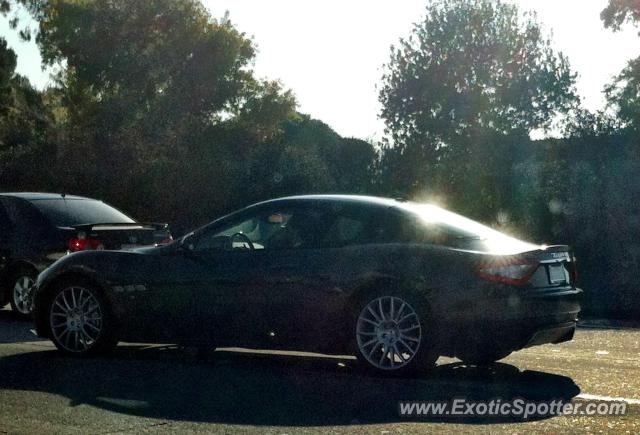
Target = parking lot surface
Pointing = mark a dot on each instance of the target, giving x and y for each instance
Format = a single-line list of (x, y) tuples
[(163, 389)]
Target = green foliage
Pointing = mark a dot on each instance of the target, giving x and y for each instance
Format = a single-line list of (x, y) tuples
[(470, 83), (164, 96), (26, 129), (619, 12), (156, 106), (590, 125), (473, 65), (623, 94), (7, 65)]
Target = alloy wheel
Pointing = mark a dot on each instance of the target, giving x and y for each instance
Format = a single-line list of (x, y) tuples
[(388, 333), (76, 319), (22, 294)]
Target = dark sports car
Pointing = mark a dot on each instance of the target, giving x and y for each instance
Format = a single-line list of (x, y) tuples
[(396, 283)]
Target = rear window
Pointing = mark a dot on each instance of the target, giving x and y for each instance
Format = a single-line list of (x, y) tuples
[(70, 212), (442, 227), (444, 222)]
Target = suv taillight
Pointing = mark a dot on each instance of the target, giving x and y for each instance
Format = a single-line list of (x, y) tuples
[(165, 241), (84, 244), (513, 271)]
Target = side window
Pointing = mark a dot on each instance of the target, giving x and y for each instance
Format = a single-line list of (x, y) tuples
[(13, 214), (345, 231), (268, 230), (361, 227), (5, 224), (417, 231), (26, 222)]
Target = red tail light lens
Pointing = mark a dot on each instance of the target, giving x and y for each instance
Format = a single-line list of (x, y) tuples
[(512, 271), (574, 269), (165, 241), (84, 244)]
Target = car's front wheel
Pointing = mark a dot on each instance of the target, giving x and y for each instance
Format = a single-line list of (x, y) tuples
[(393, 336), (21, 292), (79, 320)]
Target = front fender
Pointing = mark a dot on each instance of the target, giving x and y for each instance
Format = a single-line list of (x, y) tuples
[(99, 268)]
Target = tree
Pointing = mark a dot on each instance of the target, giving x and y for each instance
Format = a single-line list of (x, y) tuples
[(8, 62), (26, 129), (619, 12), (158, 95), (623, 93), (473, 74), (169, 104), (347, 161), (308, 157)]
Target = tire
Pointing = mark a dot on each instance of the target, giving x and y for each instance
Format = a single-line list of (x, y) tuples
[(391, 334), (79, 320), (20, 292)]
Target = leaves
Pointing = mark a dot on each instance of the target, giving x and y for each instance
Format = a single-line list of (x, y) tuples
[(619, 12), (472, 74)]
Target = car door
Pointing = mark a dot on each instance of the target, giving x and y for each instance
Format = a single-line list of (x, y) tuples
[(301, 279), (304, 295), (309, 285), (230, 297), (5, 249)]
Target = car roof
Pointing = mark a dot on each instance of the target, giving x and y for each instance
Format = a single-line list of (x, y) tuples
[(32, 196), (350, 199)]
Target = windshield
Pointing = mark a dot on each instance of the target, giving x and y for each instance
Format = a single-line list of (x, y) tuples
[(71, 212)]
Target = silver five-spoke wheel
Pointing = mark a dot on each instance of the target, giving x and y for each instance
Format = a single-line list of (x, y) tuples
[(388, 332), (22, 294), (76, 319)]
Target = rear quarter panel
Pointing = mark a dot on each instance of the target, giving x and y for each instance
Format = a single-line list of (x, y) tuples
[(346, 276)]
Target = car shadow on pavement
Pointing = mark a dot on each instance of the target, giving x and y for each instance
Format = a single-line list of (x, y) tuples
[(265, 389), (15, 329)]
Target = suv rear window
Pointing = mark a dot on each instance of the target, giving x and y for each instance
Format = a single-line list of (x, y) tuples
[(70, 212)]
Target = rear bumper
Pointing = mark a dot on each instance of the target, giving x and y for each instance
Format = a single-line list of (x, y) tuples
[(553, 334), (513, 322)]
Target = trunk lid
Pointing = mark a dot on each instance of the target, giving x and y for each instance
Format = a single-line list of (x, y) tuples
[(543, 266), (116, 236), (557, 266)]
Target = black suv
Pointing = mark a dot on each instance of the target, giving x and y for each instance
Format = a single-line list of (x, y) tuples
[(36, 229)]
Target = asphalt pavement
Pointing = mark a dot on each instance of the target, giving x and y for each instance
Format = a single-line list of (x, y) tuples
[(165, 389)]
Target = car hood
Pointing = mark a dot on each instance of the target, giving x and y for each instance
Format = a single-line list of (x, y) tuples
[(88, 262)]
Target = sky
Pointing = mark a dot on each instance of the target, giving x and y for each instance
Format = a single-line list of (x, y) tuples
[(331, 52)]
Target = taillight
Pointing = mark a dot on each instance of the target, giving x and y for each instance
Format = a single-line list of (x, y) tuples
[(165, 241), (509, 270), (81, 243), (574, 269)]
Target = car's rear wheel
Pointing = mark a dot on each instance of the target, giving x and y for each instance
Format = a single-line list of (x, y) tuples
[(392, 335), (79, 320), (21, 292)]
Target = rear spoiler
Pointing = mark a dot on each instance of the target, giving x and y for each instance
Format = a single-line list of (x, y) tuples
[(556, 248), (149, 225), (551, 253), (161, 231)]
